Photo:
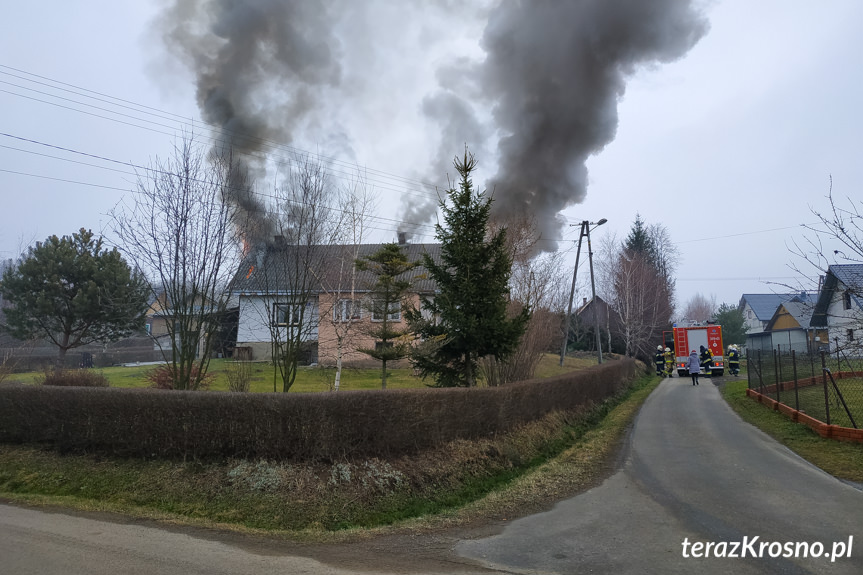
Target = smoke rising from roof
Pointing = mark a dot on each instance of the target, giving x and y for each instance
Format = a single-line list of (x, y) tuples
[(545, 95), (555, 71), (258, 65)]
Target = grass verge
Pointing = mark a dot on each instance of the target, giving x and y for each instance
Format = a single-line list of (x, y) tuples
[(466, 481), (840, 459)]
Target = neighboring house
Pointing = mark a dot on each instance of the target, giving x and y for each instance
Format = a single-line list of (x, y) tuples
[(156, 319), (159, 313), (758, 309), (609, 323), (789, 329), (839, 308), (333, 306)]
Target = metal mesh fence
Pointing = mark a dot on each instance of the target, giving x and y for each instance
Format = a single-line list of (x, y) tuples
[(828, 387)]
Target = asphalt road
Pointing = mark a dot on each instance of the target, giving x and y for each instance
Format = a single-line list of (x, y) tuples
[(691, 471)]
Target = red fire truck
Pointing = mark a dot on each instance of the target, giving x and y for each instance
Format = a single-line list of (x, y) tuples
[(685, 339)]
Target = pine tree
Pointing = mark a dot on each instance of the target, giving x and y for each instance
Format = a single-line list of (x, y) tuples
[(467, 318), (730, 317), (639, 240), (72, 292), (389, 266)]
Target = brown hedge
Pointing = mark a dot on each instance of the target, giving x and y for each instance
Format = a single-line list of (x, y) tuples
[(329, 426)]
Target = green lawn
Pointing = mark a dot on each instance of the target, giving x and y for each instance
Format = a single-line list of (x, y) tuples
[(811, 401), (842, 459), (309, 379)]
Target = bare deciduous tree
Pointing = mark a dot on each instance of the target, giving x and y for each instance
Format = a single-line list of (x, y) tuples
[(700, 308), (641, 300), (179, 231), (343, 307), (837, 239), (305, 220)]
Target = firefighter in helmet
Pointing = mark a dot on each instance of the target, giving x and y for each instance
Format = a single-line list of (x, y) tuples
[(659, 360), (669, 362), (733, 360), (706, 357)]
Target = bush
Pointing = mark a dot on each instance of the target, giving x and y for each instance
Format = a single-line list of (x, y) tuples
[(329, 427), (162, 377), (239, 374), (76, 378)]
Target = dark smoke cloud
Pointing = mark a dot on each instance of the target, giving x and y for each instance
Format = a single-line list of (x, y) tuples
[(458, 126), (556, 71), (259, 67), (547, 89)]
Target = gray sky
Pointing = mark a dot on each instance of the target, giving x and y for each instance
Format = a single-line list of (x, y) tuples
[(727, 146)]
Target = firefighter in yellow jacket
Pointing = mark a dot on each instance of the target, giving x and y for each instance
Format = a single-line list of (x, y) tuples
[(669, 362), (706, 358), (733, 360), (659, 361)]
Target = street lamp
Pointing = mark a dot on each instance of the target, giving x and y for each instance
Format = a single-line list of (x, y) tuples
[(584, 231)]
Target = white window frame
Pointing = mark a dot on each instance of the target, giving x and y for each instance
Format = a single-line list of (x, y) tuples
[(347, 310), (293, 309), (395, 316)]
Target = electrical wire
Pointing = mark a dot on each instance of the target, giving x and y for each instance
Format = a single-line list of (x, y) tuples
[(385, 185)]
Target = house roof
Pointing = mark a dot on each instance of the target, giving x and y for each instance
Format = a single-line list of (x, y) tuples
[(273, 269), (800, 311), (764, 305), (850, 276)]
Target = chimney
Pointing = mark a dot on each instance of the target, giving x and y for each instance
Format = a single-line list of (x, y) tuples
[(403, 238)]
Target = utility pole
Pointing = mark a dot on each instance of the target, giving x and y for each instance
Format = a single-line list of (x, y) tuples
[(593, 295), (584, 231), (567, 320)]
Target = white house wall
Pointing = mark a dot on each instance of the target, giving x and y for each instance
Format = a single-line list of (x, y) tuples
[(751, 321), (840, 320), (255, 317)]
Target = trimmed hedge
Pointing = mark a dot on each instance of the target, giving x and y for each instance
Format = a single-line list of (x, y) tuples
[(320, 426)]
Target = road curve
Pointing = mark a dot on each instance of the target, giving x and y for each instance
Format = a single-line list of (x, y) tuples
[(692, 471)]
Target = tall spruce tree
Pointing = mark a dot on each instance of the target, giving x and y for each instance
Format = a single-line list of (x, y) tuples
[(639, 241), (389, 266), (467, 318)]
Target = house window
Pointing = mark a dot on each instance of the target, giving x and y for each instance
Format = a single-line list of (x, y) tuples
[(846, 299), (347, 310), (149, 328), (850, 334), (380, 345), (749, 313), (395, 313), (286, 314)]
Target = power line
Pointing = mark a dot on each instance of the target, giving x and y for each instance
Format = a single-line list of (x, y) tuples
[(724, 279), (224, 133), (415, 225), (743, 234), (165, 115), (151, 170)]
